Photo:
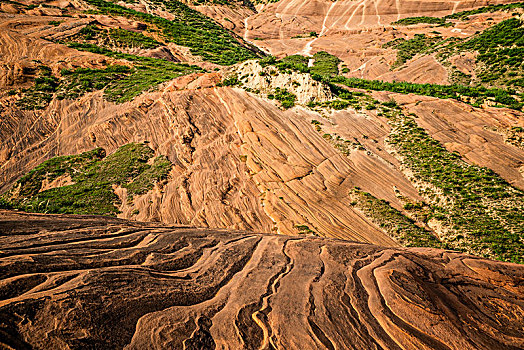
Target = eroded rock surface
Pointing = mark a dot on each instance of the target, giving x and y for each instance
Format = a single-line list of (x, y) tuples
[(97, 282)]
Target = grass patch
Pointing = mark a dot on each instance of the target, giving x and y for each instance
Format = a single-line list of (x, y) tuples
[(41, 93), (486, 9), (120, 83), (114, 38), (293, 62), (397, 225), (304, 230), (286, 98), (477, 210), (501, 50), (459, 15), (93, 175), (127, 38), (423, 19), (471, 201), (324, 64), (190, 28), (475, 95), (407, 49)]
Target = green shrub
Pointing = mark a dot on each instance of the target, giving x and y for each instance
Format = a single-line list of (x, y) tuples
[(127, 38), (478, 204), (293, 62), (325, 64), (397, 225), (93, 175), (286, 98), (501, 48), (41, 93), (120, 83), (407, 49), (506, 98), (232, 80), (189, 28), (416, 20)]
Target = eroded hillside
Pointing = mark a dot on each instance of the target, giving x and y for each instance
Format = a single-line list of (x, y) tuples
[(261, 174), (302, 144)]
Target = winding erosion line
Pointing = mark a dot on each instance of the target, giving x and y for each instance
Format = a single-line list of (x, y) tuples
[(260, 315), (377, 12), (455, 6), (307, 49), (363, 3), (364, 276), (364, 7), (317, 331)]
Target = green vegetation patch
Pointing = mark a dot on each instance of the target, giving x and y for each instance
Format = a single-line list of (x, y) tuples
[(475, 95), (400, 227), (114, 37), (120, 83), (486, 9), (293, 62), (304, 230), (81, 80), (214, 2), (92, 175), (483, 210), (337, 104), (231, 80), (423, 19), (501, 50), (475, 210), (286, 98), (190, 28), (41, 93), (407, 49), (459, 15), (324, 64), (127, 38)]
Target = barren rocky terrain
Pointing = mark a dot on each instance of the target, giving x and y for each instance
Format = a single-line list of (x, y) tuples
[(70, 282)]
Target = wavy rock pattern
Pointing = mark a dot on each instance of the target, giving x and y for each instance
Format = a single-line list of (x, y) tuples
[(94, 282), (275, 170)]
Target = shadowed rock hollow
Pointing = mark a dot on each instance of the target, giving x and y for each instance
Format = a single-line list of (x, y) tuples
[(97, 282)]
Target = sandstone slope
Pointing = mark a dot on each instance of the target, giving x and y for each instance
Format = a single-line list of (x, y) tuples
[(240, 161)]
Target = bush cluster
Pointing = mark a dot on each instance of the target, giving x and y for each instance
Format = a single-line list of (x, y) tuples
[(190, 28), (93, 175)]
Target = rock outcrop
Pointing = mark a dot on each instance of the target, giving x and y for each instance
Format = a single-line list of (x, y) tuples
[(265, 80)]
